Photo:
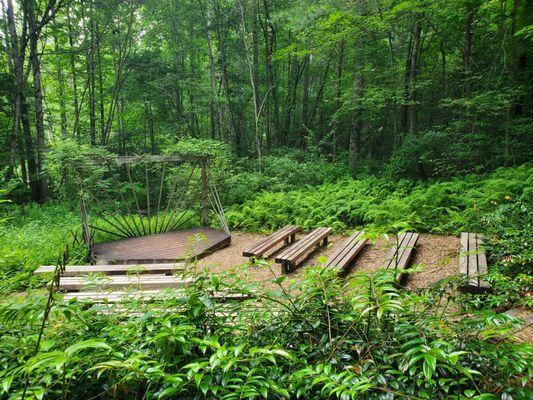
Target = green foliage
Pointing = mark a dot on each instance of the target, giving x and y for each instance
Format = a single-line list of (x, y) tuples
[(442, 206), (198, 148), (313, 339), (72, 167), (510, 229), (32, 236), (283, 171)]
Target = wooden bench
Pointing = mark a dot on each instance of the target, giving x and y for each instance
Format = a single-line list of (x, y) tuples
[(148, 295), (287, 235), (113, 269), (289, 257), (77, 283), (400, 255), (473, 263), (345, 254)]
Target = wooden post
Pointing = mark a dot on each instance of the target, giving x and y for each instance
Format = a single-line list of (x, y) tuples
[(205, 192)]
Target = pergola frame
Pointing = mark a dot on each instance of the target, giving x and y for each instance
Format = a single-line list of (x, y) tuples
[(177, 159)]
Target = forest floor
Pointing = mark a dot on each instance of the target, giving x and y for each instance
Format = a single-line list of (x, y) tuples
[(438, 255)]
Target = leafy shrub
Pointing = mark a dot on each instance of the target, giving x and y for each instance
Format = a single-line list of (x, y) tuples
[(33, 235), (442, 206), (313, 339), (510, 229), (239, 180)]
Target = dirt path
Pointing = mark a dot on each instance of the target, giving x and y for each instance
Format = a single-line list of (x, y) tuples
[(438, 255)]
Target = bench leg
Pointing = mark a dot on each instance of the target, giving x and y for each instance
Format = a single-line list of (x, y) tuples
[(284, 268), (293, 237), (287, 241), (325, 242)]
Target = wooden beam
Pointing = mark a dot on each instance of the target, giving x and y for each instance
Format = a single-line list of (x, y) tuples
[(204, 195), (150, 158)]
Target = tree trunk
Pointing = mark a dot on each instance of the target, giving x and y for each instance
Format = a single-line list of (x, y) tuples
[(73, 74), (90, 77), (338, 74), (413, 118), (467, 53), (29, 149), (38, 100), (408, 117), (305, 94), (252, 70), (18, 72), (214, 106), (269, 34), (356, 132), (61, 85), (222, 48)]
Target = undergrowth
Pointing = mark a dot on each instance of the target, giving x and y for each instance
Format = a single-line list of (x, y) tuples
[(313, 339), (439, 207)]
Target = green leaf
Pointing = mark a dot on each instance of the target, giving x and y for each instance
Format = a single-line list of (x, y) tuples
[(86, 344)]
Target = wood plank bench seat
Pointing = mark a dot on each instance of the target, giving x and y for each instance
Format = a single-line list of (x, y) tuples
[(473, 262), (345, 253), (119, 296), (401, 254), (113, 269), (286, 234), (290, 257), (76, 283)]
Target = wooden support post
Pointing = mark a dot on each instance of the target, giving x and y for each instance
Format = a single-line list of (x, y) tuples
[(205, 192)]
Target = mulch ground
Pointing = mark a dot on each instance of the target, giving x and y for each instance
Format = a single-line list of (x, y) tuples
[(437, 255)]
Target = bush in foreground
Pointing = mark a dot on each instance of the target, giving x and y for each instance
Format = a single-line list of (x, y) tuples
[(314, 339)]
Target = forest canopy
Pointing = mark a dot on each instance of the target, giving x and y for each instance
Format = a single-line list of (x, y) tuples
[(404, 88)]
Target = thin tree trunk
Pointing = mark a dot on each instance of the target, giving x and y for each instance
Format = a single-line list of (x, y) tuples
[(467, 53), (38, 101), (305, 94), (413, 118), (100, 84), (29, 149), (252, 73), (214, 106), (61, 84), (73, 73), (338, 74), (272, 116), (224, 78), (90, 77), (18, 72), (356, 132)]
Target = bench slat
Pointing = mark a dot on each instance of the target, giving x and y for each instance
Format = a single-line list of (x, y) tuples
[(303, 244), (113, 269), (121, 281), (117, 296), (407, 251), (481, 258), (473, 262), (277, 237), (401, 254), (296, 252), (347, 252), (264, 244), (463, 260)]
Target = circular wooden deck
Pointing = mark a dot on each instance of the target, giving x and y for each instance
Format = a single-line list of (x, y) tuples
[(162, 247)]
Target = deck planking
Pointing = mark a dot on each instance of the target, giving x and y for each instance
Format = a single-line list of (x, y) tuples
[(165, 247)]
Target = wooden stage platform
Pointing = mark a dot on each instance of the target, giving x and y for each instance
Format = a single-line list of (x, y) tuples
[(162, 247)]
